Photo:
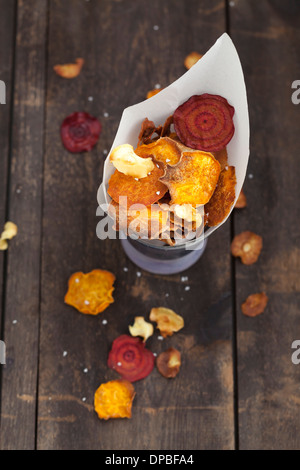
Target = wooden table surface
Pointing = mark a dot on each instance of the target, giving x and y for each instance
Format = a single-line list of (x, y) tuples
[(237, 387)]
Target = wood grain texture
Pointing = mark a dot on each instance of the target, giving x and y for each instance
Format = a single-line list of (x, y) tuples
[(19, 378), (7, 21), (125, 57), (267, 36)]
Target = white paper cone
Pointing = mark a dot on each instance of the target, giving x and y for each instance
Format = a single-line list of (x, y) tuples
[(218, 72)]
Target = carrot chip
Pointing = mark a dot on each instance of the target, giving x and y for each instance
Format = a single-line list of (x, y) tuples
[(255, 304), (247, 245), (90, 293), (69, 70), (114, 399), (164, 150)]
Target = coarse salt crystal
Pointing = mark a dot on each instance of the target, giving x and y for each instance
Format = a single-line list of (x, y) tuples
[(86, 302), (104, 322)]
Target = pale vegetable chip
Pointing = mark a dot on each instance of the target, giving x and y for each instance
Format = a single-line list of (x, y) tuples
[(168, 322), (141, 328), (129, 163)]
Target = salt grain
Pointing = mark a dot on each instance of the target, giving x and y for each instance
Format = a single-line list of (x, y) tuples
[(65, 353), (158, 193), (160, 338), (138, 274), (184, 278), (119, 364), (85, 370), (250, 176), (84, 399), (104, 322), (105, 115), (86, 302), (91, 98), (156, 27), (14, 322), (187, 288), (125, 270)]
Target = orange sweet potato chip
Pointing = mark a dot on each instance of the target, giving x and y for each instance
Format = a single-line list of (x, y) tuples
[(241, 201), (90, 293), (247, 245), (114, 399), (138, 191), (69, 70), (255, 304), (193, 179), (223, 198), (164, 150)]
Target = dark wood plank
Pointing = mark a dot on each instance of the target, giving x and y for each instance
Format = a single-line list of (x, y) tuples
[(23, 271), (267, 36), (7, 22), (125, 57)]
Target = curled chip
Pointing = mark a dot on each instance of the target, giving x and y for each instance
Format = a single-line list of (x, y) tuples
[(146, 191), (126, 161), (241, 201), (139, 220), (129, 357), (141, 328), (247, 245), (92, 292), (153, 92), (222, 157), (10, 231), (164, 150), (169, 362), (255, 304), (166, 130), (168, 322), (80, 132), (223, 198), (193, 179), (191, 59), (114, 399), (69, 70), (148, 128), (204, 122)]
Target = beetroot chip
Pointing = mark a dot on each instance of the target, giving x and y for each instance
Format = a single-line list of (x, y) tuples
[(204, 122), (129, 357), (80, 132)]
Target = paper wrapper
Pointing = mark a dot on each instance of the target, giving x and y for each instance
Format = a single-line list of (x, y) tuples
[(218, 72)]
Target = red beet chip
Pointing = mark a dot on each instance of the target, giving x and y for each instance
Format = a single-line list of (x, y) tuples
[(129, 357), (80, 132), (204, 122)]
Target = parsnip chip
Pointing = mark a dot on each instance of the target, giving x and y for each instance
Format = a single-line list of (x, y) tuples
[(191, 59), (141, 328), (241, 201), (188, 213), (129, 163), (145, 191), (168, 322), (164, 150), (114, 399), (255, 304), (223, 197), (90, 293), (153, 92), (10, 231), (69, 70), (3, 245), (193, 179), (169, 362), (247, 245)]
